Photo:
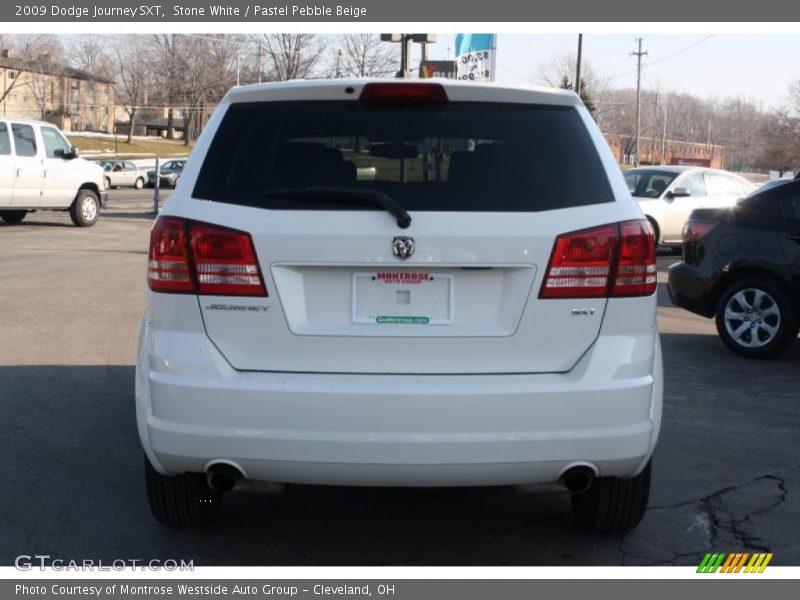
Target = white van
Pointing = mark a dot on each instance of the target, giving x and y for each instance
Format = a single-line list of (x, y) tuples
[(40, 170)]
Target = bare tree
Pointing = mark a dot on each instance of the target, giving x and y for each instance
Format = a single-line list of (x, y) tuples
[(133, 75), (209, 67), (364, 55), (167, 55), (560, 72), (90, 54), (290, 55), (45, 72), (783, 149), (193, 72)]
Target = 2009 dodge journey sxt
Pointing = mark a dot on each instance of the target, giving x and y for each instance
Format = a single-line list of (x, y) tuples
[(400, 283)]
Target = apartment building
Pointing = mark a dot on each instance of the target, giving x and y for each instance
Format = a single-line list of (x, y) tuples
[(48, 90)]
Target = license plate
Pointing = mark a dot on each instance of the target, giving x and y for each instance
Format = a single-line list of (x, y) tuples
[(403, 298)]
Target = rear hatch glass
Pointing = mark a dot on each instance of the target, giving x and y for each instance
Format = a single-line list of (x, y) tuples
[(459, 156)]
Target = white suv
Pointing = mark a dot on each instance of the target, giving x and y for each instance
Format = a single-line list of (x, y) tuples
[(40, 170), (382, 283)]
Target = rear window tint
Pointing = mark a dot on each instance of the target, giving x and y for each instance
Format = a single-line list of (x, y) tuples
[(454, 157)]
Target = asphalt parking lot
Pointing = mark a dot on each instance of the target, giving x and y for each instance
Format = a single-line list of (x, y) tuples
[(726, 472)]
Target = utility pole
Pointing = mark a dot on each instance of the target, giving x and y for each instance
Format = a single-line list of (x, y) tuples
[(638, 54), (664, 136), (653, 138), (578, 65)]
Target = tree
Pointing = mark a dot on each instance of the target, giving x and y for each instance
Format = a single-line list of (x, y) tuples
[(290, 55), (133, 74), (568, 84), (194, 72), (89, 53), (782, 152), (364, 55), (560, 72), (42, 86), (167, 57), (209, 63)]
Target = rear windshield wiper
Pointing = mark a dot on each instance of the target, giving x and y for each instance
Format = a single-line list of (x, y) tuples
[(338, 194)]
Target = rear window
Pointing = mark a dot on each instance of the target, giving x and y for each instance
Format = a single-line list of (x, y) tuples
[(454, 157)]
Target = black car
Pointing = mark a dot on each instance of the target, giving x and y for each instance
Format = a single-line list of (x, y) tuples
[(741, 265)]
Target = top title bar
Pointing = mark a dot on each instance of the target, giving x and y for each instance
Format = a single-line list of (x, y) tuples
[(477, 11)]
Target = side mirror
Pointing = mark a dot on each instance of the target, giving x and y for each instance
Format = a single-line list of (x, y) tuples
[(679, 192), (73, 153)]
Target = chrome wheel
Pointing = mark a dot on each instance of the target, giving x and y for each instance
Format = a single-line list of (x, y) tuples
[(89, 208), (752, 318)]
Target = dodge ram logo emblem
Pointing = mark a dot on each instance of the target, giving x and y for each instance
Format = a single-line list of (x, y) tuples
[(403, 247)]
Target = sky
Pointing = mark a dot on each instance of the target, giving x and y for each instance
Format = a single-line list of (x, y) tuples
[(755, 67)]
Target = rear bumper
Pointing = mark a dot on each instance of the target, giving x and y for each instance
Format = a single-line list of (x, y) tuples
[(389, 430), (692, 288), (103, 198)]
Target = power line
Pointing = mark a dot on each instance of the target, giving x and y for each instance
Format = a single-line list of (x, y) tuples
[(684, 49), (660, 60)]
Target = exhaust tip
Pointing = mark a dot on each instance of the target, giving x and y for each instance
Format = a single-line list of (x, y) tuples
[(578, 479), (223, 477)]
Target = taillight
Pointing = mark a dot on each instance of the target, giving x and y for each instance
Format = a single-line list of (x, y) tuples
[(636, 265), (197, 258), (581, 264), (168, 269), (697, 230), (613, 260), (429, 93)]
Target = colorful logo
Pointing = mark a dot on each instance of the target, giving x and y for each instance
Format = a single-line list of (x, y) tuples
[(734, 563)]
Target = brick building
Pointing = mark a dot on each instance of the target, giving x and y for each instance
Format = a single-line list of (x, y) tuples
[(675, 152)]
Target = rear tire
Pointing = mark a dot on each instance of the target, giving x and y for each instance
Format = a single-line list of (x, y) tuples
[(772, 309), (656, 231), (181, 501), (107, 183), (13, 217), (139, 183), (85, 209), (613, 504)]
